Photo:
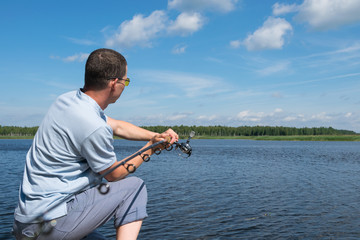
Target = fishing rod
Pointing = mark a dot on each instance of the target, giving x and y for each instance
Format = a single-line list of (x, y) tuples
[(185, 148), (103, 187)]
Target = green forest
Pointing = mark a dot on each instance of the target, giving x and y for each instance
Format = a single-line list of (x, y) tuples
[(219, 131), (17, 131), (211, 131)]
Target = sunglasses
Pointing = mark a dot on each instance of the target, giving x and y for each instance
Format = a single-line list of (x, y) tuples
[(127, 80)]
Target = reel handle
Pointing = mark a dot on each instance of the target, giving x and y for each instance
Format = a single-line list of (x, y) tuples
[(192, 134)]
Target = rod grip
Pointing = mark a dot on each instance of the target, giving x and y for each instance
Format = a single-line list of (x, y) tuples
[(168, 139)]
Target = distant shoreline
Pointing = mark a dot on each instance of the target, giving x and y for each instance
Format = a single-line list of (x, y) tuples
[(347, 138)]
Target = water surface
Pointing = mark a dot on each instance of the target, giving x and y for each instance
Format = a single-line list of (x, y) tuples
[(232, 189)]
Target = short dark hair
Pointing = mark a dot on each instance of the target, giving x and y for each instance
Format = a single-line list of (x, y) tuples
[(101, 65)]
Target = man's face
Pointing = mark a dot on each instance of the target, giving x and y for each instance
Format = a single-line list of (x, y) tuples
[(119, 88)]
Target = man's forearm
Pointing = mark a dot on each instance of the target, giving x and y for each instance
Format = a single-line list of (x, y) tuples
[(132, 132), (129, 131)]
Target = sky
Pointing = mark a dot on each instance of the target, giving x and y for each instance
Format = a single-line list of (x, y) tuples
[(191, 62)]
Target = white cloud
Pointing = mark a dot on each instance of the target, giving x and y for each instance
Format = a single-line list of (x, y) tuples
[(279, 117), (278, 67), (182, 118), (81, 41), (270, 36), (276, 95), (207, 118), (59, 85), (336, 120), (280, 9), (139, 31), (249, 116), (179, 49), (215, 60), (193, 86), (329, 14), (187, 84), (203, 5), (79, 57), (235, 44), (142, 30), (353, 49), (321, 116), (186, 24), (349, 114), (290, 118), (178, 116)]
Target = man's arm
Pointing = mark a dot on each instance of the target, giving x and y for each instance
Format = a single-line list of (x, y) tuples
[(129, 131), (119, 173)]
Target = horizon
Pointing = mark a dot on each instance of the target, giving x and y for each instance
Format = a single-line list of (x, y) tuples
[(243, 126), (191, 62)]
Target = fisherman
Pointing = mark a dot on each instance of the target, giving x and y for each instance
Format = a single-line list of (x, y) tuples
[(73, 147)]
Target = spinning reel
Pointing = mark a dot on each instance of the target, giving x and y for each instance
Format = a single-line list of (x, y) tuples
[(185, 148)]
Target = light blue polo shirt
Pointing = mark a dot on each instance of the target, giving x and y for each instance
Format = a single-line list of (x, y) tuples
[(72, 144)]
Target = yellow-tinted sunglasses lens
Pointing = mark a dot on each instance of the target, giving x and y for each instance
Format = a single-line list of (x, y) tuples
[(127, 82)]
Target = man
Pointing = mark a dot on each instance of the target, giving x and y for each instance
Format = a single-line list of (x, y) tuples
[(73, 147)]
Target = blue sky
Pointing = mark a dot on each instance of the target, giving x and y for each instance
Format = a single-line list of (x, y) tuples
[(191, 62)]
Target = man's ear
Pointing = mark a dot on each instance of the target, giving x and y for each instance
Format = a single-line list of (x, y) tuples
[(112, 84)]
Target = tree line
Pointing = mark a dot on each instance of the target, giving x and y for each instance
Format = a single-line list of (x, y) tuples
[(216, 131), (17, 131)]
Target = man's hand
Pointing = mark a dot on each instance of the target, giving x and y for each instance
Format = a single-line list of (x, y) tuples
[(173, 135), (169, 136)]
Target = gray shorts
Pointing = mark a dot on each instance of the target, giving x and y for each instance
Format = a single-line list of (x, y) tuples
[(125, 201)]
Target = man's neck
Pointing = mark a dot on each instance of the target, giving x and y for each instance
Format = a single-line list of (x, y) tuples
[(98, 95)]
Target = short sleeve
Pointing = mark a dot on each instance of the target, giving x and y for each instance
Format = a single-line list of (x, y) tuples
[(98, 149)]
